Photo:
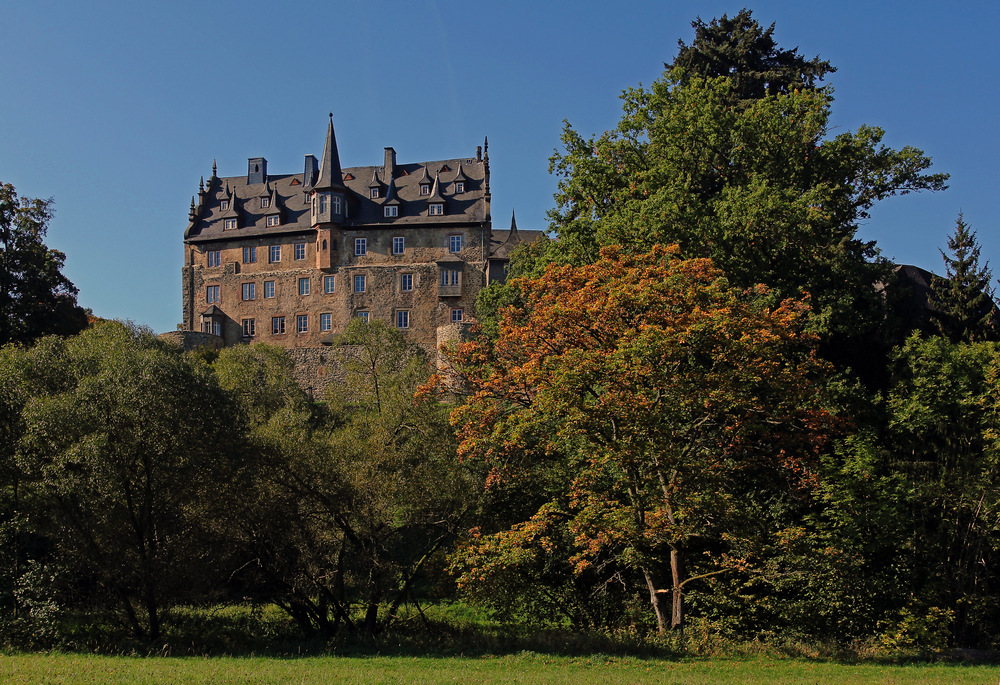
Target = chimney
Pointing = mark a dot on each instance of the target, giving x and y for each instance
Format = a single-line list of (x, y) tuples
[(390, 164), (311, 171), (256, 170), (479, 153)]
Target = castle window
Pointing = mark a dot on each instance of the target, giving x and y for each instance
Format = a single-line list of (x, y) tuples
[(302, 323), (229, 225), (454, 243), (373, 193), (303, 286), (403, 318), (398, 245), (436, 209), (249, 328), (324, 203), (268, 289), (405, 282), (359, 284), (217, 328), (274, 253), (329, 283), (215, 258), (391, 210), (300, 251), (265, 202), (456, 315), (212, 294), (336, 204), (360, 247), (277, 325), (450, 276), (325, 322), (224, 205), (274, 220), (459, 187), (249, 255), (249, 291), (425, 189), (364, 316)]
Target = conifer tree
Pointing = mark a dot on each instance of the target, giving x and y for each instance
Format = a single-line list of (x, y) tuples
[(964, 297)]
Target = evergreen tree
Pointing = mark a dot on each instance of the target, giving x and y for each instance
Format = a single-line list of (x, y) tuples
[(964, 298)]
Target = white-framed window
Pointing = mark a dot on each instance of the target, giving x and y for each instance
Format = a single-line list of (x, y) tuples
[(249, 255), (268, 289), (277, 325), (265, 202), (212, 294), (373, 193), (436, 209), (249, 328), (459, 187), (329, 284), (455, 243), (224, 205), (303, 286), (363, 315), (302, 323), (274, 220), (359, 283), (300, 251), (425, 188), (336, 204), (229, 225), (274, 253), (405, 282), (215, 257), (403, 318), (217, 328), (324, 203), (457, 315), (391, 210), (398, 244), (249, 291), (450, 276), (360, 247), (325, 322)]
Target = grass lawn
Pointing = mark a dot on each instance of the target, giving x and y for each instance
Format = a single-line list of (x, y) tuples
[(522, 668)]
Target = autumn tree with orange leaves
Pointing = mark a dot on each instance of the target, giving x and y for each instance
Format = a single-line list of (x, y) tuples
[(657, 386)]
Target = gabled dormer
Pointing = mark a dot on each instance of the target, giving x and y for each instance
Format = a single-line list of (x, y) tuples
[(273, 209), (435, 203), (391, 205), (229, 204), (329, 193), (460, 182), (424, 182), (375, 187)]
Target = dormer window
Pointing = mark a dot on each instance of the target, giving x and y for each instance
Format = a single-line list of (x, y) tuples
[(373, 193), (224, 205), (391, 210), (436, 209), (229, 225), (459, 187), (265, 202), (273, 220), (425, 188)]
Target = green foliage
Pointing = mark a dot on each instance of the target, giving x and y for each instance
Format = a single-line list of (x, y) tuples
[(964, 298), (743, 51), (35, 298)]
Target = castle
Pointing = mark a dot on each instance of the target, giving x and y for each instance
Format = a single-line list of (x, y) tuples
[(289, 259)]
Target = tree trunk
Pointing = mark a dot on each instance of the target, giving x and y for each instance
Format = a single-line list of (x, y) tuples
[(658, 598), (677, 610), (668, 603)]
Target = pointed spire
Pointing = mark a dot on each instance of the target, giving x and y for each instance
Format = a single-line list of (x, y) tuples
[(201, 185), (375, 182), (191, 211), (390, 193), (513, 222), (460, 175), (424, 177), (274, 206), (330, 174), (436, 191)]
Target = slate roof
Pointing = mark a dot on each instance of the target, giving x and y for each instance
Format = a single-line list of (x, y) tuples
[(469, 207), (503, 242)]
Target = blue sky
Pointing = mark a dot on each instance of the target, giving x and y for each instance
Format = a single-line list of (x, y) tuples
[(115, 109)]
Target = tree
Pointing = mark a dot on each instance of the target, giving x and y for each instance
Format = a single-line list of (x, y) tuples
[(743, 51), (654, 387), (36, 299), (965, 311), (125, 443)]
